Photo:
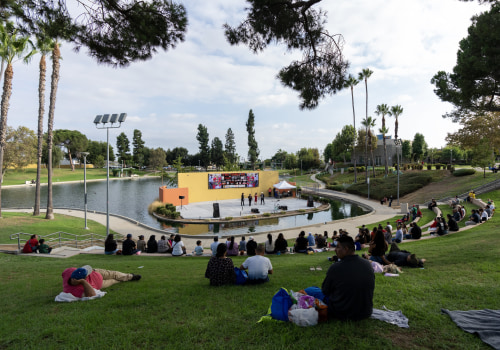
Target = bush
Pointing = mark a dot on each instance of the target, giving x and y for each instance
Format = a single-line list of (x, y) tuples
[(464, 172), (169, 211), (335, 187), (429, 166), (438, 166), (229, 218)]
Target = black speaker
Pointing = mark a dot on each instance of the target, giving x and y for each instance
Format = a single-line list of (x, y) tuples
[(181, 197), (310, 202), (216, 210), (255, 210)]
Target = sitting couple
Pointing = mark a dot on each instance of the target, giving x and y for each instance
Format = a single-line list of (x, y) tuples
[(220, 268)]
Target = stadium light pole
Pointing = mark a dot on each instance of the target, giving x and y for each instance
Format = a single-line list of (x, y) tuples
[(105, 119), (85, 154)]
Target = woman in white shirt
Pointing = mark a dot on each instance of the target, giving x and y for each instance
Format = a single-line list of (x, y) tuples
[(178, 247)]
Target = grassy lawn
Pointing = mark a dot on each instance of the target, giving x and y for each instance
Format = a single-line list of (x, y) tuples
[(27, 223)]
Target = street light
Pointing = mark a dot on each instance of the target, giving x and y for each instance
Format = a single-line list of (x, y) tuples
[(104, 119), (85, 154), (397, 143)]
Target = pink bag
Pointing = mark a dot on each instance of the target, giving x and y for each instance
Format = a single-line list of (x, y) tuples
[(306, 302)]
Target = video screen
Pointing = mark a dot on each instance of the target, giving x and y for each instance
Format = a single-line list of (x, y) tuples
[(232, 180)]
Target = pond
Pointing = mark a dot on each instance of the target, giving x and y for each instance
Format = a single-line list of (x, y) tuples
[(131, 198)]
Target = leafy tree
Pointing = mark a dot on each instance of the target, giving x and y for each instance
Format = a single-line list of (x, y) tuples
[(297, 25), (290, 161), (13, 46), (253, 148), (328, 153), (138, 144), (177, 152), (279, 158), (364, 75), (383, 110), (202, 138), (97, 151), (482, 155), (123, 148), (418, 146), (74, 141), (351, 82), (57, 155), (217, 152), (178, 164), (344, 142), (406, 149), (230, 147), (45, 46), (308, 158), (157, 158), (20, 148), (473, 86)]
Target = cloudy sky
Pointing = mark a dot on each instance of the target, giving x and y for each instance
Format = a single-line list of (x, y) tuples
[(205, 80)]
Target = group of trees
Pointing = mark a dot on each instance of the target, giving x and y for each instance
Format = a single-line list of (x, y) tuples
[(305, 159)]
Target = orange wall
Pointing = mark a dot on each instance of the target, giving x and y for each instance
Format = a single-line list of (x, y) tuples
[(171, 195)]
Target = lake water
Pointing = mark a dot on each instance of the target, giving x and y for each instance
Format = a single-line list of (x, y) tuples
[(131, 197)]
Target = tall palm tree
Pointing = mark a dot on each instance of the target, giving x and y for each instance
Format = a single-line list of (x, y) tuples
[(56, 56), (383, 110), (45, 46), (13, 46), (396, 111), (351, 82), (369, 123), (364, 75)]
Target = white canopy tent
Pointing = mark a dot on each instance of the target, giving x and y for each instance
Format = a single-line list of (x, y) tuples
[(283, 185)]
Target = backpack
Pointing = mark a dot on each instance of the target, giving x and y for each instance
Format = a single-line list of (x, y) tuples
[(241, 276)]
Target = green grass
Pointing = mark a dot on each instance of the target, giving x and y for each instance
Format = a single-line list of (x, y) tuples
[(27, 223), (174, 307)]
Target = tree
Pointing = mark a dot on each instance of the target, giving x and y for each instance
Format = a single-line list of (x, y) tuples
[(177, 152), (369, 123), (383, 110), (328, 153), (45, 46), (97, 153), (57, 155), (406, 149), (482, 155), (396, 111), (20, 148), (279, 158), (157, 158), (473, 86), (203, 138), (475, 128), (138, 144), (308, 158), (13, 46), (74, 141), (344, 141), (230, 147), (351, 82), (418, 147), (290, 161), (253, 148), (217, 152), (364, 75), (123, 148)]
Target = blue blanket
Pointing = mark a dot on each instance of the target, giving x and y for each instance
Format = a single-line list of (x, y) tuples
[(486, 323)]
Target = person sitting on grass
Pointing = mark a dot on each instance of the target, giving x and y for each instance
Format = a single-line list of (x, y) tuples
[(473, 219), (162, 245), (128, 246), (83, 281), (484, 215), (398, 238), (141, 244), (433, 227), (232, 247), (442, 227), (259, 267), (301, 243), (110, 245), (242, 246), (214, 245), (198, 250), (452, 223), (456, 214), (320, 242), (44, 248), (178, 247), (152, 244), (281, 244), (432, 204), (251, 246), (415, 231), (378, 247), (220, 269), (349, 283), (31, 245), (269, 245)]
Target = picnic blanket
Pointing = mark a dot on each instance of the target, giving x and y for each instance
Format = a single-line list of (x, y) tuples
[(486, 323), (68, 297)]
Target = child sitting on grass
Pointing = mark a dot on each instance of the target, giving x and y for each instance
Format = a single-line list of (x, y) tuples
[(44, 248), (198, 250)]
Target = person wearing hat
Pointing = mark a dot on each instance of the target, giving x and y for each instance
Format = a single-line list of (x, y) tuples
[(84, 281), (128, 246), (251, 246)]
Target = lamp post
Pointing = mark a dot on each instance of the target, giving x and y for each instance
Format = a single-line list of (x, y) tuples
[(398, 142), (85, 154), (104, 119)]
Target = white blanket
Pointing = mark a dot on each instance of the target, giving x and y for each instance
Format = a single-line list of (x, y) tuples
[(68, 297)]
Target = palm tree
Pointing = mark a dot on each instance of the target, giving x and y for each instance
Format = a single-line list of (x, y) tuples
[(45, 46), (12, 47), (396, 111), (56, 56), (369, 123), (364, 75), (351, 82), (383, 110)]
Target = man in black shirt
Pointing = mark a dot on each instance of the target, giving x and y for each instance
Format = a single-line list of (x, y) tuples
[(349, 284), (251, 246)]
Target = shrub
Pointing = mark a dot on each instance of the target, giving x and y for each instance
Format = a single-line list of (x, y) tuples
[(438, 166), (464, 172), (266, 214), (335, 187), (228, 218), (429, 167)]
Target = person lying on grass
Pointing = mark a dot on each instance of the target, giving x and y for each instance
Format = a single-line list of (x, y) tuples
[(83, 282)]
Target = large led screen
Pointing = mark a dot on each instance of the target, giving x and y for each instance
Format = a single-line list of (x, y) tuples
[(232, 180)]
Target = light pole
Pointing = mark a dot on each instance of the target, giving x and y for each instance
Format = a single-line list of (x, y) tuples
[(397, 143), (85, 154), (104, 119)]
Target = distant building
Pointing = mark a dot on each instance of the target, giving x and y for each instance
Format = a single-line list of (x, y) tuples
[(378, 153)]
